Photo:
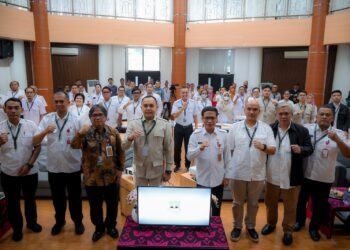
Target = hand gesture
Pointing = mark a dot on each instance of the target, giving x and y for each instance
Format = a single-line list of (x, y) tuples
[(134, 135), (295, 148), (3, 138), (333, 135), (24, 170), (51, 128), (184, 105), (126, 105), (204, 144), (84, 129)]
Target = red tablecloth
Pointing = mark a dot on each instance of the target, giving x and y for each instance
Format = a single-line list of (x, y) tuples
[(135, 236), (4, 223)]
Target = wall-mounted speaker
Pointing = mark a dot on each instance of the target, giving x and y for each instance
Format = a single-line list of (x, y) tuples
[(6, 48)]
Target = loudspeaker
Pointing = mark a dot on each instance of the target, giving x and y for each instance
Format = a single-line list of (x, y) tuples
[(6, 48)]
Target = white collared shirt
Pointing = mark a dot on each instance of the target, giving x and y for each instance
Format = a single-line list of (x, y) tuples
[(132, 111), (239, 107), (187, 116), (13, 159), (18, 94), (61, 158), (82, 113), (112, 112), (167, 94), (249, 163), (210, 171), (225, 110), (96, 98), (320, 166), (279, 164), (33, 110), (201, 104)]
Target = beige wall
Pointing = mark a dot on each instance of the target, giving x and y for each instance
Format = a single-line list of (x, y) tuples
[(337, 28), (71, 29), (259, 33), (16, 24)]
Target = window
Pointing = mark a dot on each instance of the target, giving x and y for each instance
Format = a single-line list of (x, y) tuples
[(143, 59)]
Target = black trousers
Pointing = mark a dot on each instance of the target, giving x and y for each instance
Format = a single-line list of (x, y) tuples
[(181, 133), (96, 195), (59, 183), (13, 185), (218, 191), (319, 192)]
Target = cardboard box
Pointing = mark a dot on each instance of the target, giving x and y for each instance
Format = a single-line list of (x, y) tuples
[(126, 186)]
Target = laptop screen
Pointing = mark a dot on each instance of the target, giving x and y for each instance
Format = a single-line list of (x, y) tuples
[(181, 206)]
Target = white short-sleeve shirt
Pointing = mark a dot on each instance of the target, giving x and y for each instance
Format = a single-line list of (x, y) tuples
[(187, 116), (33, 110)]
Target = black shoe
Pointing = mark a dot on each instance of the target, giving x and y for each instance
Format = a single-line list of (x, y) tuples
[(17, 236), (235, 234), (297, 226), (287, 239), (315, 236), (79, 229), (176, 169), (35, 227), (113, 232), (97, 235), (253, 235), (267, 229), (56, 229)]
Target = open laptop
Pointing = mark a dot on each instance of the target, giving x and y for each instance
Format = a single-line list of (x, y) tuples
[(181, 206)]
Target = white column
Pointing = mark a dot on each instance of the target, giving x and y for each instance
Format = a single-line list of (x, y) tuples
[(342, 70), (119, 63), (105, 63), (241, 65), (192, 65), (255, 67), (18, 64), (5, 75), (165, 64)]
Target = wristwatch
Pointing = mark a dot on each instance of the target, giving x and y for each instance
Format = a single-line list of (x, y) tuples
[(30, 166), (168, 171), (264, 147)]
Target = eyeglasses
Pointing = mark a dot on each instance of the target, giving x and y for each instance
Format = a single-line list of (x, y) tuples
[(148, 105), (137, 93), (97, 115), (106, 92)]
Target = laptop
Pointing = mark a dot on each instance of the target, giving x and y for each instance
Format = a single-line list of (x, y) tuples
[(180, 206)]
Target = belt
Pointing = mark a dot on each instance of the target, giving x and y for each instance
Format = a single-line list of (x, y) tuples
[(183, 126)]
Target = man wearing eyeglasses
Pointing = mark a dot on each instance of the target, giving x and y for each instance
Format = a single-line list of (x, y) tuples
[(111, 105), (152, 141), (63, 163), (209, 146), (132, 109)]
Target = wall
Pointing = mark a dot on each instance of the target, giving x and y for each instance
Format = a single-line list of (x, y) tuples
[(13, 68), (341, 79), (337, 28), (67, 69), (192, 65), (215, 61)]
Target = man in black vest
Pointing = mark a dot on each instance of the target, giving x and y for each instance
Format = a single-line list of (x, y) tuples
[(341, 112)]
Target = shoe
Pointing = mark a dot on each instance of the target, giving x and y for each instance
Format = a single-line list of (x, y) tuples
[(97, 235), (113, 232), (79, 229), (56, 229), (176, 169), (298, 226), (267, 229), (287, 239), (17, 236), (253, 235), (315, 236), (235, 234), (35, 227)]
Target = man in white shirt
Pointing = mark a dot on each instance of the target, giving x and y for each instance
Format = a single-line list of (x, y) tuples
[(121, 99), (274, 93), (15, 91), (302, 111), (63, 163), (111, 106), (202, 103), (209, 146), (33, 108), (166, 101), (36, 95), (96, 97), (239, 104), (251, 141), (284, 171), (132, 109), (185, 114), (18, 174), (74, 89), (149, 92), (319, 170), (267, 106)]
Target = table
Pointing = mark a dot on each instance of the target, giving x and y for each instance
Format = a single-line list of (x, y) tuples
[(135, 236), (186, 180), (126, 186)]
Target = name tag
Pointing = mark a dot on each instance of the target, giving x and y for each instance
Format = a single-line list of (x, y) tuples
[(109, 151), (145, 151)]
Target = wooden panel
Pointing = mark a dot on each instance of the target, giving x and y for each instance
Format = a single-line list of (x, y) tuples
[(67, 69), (284, 72), (332, 55), (28, 59)]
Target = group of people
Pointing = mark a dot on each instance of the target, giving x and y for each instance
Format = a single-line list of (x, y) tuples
[(283, 147)]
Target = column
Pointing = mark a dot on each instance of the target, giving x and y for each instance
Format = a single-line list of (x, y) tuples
[(318, 55), (179, 50), (41, 52)]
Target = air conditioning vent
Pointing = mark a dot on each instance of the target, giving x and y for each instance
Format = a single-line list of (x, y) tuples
[(64, 51), (296, 54)]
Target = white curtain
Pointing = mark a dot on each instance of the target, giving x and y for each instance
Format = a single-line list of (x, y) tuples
[(339, 4), (195, 10), (300, 7), (23, 3), (276, 8), (125, 8), (83, 7), (145, 9), (164, 10), (254, 8), (234, 8), (214, 9), (105, 8), (60, 5)]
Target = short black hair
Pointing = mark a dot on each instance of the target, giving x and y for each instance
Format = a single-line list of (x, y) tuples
[(100, 107), (266, 87), (325, 106), (61, 93), (98, 84), (110, 79), (25, 90), (255, 89), (121, 87), (337, 91), (79, 94), (135, 89), (149, 96), (14, 82), (13, 99), (74, 84), (106, 87), (210, 108)]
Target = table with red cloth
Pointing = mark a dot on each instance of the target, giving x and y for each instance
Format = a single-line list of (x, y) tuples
[(135, 236), (4, 222), (335, 205)]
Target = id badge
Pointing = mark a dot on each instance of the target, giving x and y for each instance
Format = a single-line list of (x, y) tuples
[(325, 153), (145, 151), (109, 151), (99, 161), (184, 120)]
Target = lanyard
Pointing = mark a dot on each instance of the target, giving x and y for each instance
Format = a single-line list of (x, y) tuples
[(31, 106), (14, 137), (15, 93), (149, 131), (280, 140), (251, 136), (316, 141), (204, 104), (185, 108), (79, 111), (120, 101), (99, 96), (107, 107), (58, 126), (265, 105), (135, 107)]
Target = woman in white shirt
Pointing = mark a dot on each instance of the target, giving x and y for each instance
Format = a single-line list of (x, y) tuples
[(202, 103), (310, 99), (79, 110), (285, 99), (225, 108)]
